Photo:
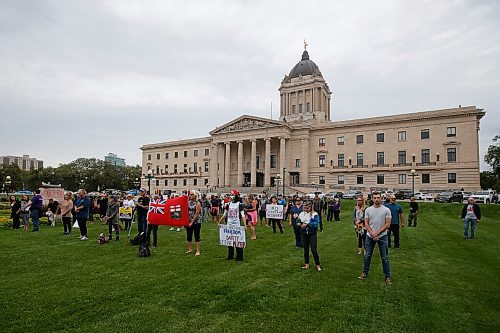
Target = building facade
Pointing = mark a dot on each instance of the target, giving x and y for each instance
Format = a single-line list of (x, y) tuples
[(307, 150), (113, 159), (24, 162)]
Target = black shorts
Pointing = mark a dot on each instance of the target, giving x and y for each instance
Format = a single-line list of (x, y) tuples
[(196, 229), (262, 214)]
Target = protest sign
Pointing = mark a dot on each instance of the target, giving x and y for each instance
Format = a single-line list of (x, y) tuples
[(125, 213), (232, 235), (57, 194), (274, 212)]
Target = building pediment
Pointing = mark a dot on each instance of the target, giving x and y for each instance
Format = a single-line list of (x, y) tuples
[(245, 123)]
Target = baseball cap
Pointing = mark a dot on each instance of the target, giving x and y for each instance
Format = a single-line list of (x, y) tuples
[(235, 192)]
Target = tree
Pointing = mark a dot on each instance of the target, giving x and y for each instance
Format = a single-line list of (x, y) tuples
[(492, 156), (489, 180)]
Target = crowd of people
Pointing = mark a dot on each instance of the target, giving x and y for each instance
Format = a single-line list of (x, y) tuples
[(375, 222)]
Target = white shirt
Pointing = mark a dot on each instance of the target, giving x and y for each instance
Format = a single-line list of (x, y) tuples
[(129, 203), (233, 214), (305, 217)]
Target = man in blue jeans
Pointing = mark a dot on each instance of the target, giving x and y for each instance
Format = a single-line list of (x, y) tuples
[(142, 207), (35, 206), (377, 221)]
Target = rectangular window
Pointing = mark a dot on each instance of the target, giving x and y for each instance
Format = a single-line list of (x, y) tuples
[(402, 136), (322, 180), (321, 160), (175, 168), (322, 142), (166, 168), (402, 178), (451, 131), (195, 182), (166, 182), (380, 179), (207, 151), (297, 163), (308, 107), (185, 168), (206, 181), (157, 156), (452, 177), (206, 166), (184, 182), (149, 157), (340, 160), (402, 157), (166, 156), (185, 153), (195, 153), (157, 182), (175, 182), (176, 154), (359, 179), (424, 134), (340, 179), (452, 154), (157, 169), (380, 158), (300, 107), (195, 167), (426, 178), (359, 159), (359, 139), (380, 137), (293, 108), (340, 140), (426, 156), (273, 161)]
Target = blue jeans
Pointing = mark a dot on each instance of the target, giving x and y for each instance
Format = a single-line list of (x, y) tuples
[(35, 217), (384, 254), (142, 223), (472, 222)]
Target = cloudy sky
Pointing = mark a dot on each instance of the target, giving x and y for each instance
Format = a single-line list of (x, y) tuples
[(84, 78)]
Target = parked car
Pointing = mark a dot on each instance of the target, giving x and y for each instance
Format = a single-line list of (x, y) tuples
[(449, 196), (134, 192), (351, 194), (404, 194), (485, 197), (334, 195), (386, 194), (24, 192), (312, 195), (423, 196), (466, 195)]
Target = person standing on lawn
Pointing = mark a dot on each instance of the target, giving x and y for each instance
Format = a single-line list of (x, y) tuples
[(413, 212), (273, 221), (377, 221), (397, 220), (359, 224), (195, 220), (308, 221), (336, 209), (250, 208), (35, 206), (82, 209), (111, 217), (15, 212), (65, 208), (129, 202), (234, 216), (142, 207), (471, 214), (25, 211), (295, 221)]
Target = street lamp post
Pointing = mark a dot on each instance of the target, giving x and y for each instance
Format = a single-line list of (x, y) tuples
[(149, 176), (137, 182), (7, 183), (82, 182), (277, 180), (412, 181), (283, 181)]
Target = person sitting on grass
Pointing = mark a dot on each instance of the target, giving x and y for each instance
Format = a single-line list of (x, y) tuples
[(112, 217)]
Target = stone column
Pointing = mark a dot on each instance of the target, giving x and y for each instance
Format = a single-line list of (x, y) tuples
[(227, 165), (240, 164), (214, 154), (253, 164), (304, 162), (267, 169), (283, 158)]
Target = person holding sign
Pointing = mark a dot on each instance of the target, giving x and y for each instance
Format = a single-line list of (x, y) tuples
[(308, 223), (128, 211), (274, 214), (235, 217)]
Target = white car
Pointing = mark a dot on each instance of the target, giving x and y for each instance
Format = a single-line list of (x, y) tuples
[(423, 196), (485, 196), (312, 195)]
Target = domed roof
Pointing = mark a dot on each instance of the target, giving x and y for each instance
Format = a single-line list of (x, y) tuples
[(304, 67)]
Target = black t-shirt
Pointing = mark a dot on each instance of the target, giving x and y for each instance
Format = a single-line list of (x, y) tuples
[(144, 201), (53, 206)]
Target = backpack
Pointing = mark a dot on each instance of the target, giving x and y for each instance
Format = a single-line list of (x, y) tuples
[(140, 238), (144, 250)]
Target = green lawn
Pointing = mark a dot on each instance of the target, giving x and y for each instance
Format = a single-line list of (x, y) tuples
[(442, 283)]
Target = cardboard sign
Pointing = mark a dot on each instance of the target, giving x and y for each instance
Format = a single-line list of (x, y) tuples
[(125, 213), (57, 194), (274, 212), (232, 235)]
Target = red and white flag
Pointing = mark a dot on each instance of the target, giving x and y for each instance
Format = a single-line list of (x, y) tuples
[(173, 212)]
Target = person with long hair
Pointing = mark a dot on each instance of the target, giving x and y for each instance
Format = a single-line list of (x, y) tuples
[(309, 221), (250, 209), (25, 211), (195, 219), (15, 212), (65, 208), (359, 224)]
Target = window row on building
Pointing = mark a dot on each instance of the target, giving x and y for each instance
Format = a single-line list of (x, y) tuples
[(380, 137), (182, 182), (185, 153), (425, 178), (176, 168)]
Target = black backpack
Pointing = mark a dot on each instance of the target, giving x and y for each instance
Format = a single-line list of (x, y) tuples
[(144, 250), (140, 238)]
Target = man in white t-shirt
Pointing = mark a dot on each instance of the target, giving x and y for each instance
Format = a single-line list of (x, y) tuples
[(234, 216), (377, 221), (129, 202)]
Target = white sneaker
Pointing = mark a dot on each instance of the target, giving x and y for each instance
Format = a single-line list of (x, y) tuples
[(80, 237), (83, 238), (178, 229), (172, 229)]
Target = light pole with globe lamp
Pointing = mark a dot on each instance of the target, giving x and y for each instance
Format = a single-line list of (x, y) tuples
[(137, 182), (149, 176), (7, 183), (277, 180), (412, 175)]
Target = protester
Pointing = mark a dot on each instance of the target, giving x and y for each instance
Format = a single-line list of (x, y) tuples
[(336, 209), (52, 211), (359, 224), (329, 214), (142, 207), (102, 205), (396, 221), (413, 212), (205, 205), (128, 202), (25, 212), (15, 212), (282, 202), (471, 214), (318, 207), (273, 221), (111, 217), (250, 209), (295, 221), (82, 208), (35, 206), (309, 221), (195, 220), (214, 208), (377, 221), (65, 209), (262, 210), (234, 216)]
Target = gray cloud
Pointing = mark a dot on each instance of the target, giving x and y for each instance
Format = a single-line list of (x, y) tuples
[(84, 78)]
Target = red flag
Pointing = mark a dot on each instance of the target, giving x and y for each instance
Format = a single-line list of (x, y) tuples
[(156, 211), (173, 212)]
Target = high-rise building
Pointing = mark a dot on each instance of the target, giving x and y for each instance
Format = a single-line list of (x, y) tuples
[(24, 162), (114, 160)]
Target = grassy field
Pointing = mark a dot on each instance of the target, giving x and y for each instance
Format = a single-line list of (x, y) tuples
[(442, 283)]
